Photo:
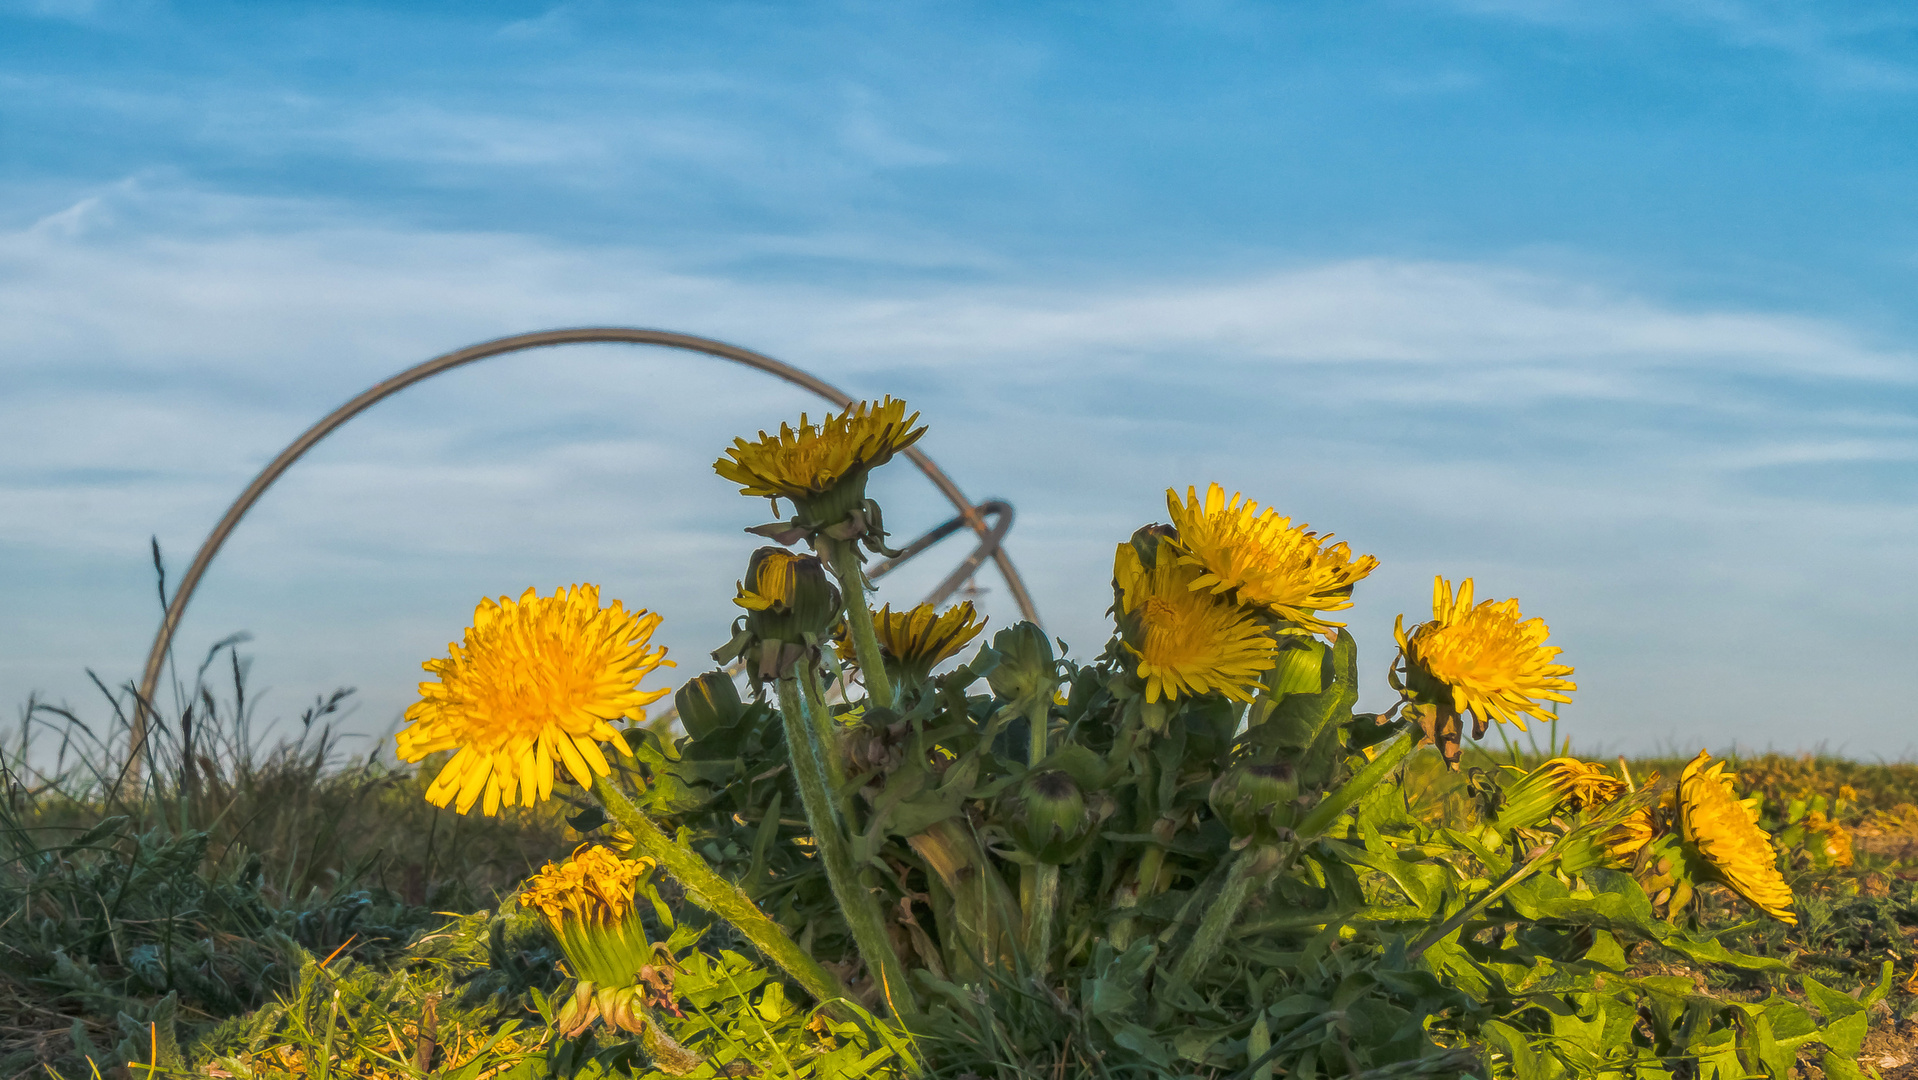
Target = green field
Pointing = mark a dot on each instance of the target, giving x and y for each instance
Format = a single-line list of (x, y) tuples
[(281, 904)]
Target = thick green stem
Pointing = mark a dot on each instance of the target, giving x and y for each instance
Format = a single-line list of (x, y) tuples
[(856, 901), (1039, 898), (843, 557), (825, 731), (1039, 882), (1038, 720), (1338, 802), (714, 893), (1144, 884), (1252, 864)]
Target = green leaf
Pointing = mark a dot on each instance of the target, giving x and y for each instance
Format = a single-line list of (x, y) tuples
[(1840, 1067)]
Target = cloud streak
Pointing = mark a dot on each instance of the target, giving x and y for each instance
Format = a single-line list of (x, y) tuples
[(1589, 450)]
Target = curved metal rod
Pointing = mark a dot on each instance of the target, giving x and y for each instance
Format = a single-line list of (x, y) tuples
[(156, 657), (970, 565)]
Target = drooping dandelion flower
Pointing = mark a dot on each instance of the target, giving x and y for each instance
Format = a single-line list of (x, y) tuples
[(1263, 559), (1487, 659), (1562, 782), (1628, 837), (822, 468), (1725, 831), (538, 681), (1584, 784), (1187, 641), (919, 638)]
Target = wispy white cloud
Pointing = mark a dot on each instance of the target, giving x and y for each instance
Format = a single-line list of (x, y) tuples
[(1563, 440)]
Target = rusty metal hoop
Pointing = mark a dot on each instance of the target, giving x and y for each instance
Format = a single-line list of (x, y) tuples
[(991, 537)]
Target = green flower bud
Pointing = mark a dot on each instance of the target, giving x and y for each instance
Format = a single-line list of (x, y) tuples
[(788, 597), (1027, 670), (1049, 817), (709, 704), (1255, 801), (1145, 540)]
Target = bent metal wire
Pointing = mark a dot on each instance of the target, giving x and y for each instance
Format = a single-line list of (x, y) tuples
[(969, 515)]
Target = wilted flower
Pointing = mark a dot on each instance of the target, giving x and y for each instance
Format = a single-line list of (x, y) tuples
[(537, 681)]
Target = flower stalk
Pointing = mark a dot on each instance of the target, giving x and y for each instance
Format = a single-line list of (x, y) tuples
[(1252, 865), (856, 901), (714, 893), (843, 557), (1038, 882)]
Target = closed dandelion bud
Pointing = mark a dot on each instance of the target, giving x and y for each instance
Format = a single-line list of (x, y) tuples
[(709, 704), (1027, 670), (1145, 541), (1049, 818), (788, 597), (1255, 801)]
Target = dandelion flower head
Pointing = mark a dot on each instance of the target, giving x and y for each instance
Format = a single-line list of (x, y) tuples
[(923, 636), (1286, 570), (811, 460), (1188, 640), (537, 682), (1725, 831), (593, 886), (1493, 662)]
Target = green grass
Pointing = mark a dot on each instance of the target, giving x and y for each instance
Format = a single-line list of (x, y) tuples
[(202, 894), (279, 893)]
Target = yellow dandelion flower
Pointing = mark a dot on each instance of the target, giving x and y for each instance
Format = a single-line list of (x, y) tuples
[(1487, 660), (1585, 784), (1562, 782), (594, 887), (919, 638), (813, 460), (538, 680), (1266, 561), (1187, 641), (1833, 841), (1628, 837), (1725, 831)]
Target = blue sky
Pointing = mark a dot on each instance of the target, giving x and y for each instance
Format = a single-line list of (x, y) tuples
[(1607, 305)]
